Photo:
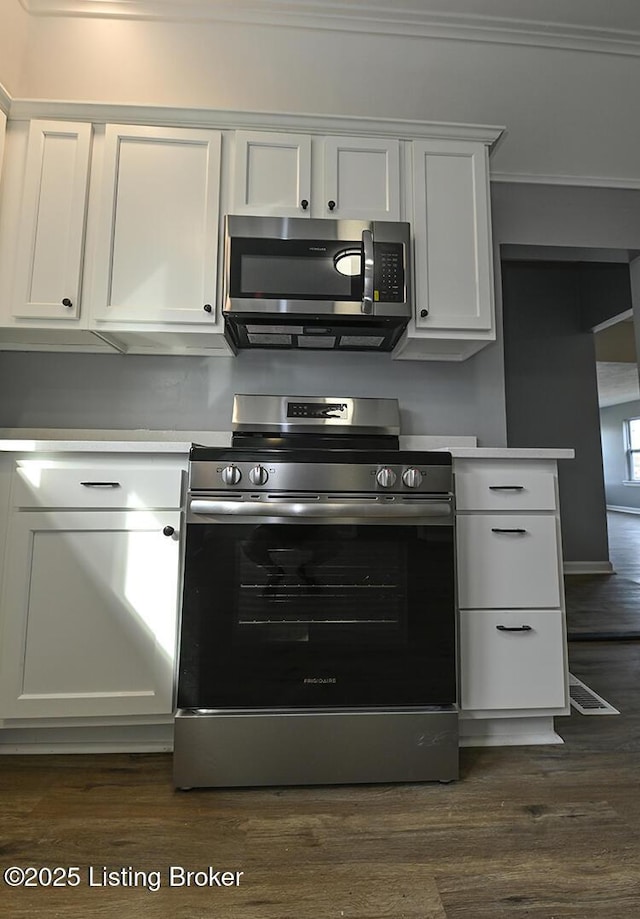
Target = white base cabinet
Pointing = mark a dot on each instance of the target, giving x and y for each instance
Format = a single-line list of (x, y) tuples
[(512, 637), (90, 591), (88, 613)]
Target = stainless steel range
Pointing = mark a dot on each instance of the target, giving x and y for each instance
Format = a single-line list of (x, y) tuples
[(318, 640)]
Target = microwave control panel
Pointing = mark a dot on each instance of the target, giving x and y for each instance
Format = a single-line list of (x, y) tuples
[(388, 272)]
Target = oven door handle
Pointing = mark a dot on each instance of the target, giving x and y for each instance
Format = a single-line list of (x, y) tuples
[(337, 509)]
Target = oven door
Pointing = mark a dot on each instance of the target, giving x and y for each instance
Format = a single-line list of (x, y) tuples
[(318, 602)]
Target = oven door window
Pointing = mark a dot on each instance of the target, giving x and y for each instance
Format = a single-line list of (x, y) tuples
[(307, 615), (317, 584)]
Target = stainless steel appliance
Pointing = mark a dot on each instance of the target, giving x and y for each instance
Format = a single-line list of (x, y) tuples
[(318, 638), (316, 284)]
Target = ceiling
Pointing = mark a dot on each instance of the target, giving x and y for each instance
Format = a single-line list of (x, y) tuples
[(540, 21)]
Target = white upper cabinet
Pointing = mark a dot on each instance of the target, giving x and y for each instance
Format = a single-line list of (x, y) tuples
[(294, 175), (361, 178), (453, 256), (156, 247), (52, 221), (452, 236), (272, 174)]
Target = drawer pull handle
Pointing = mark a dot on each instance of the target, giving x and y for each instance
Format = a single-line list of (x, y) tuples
[(514, 628), (101, 484), (517, 530), (506, 487)]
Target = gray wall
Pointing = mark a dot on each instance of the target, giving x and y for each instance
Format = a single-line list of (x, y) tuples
[(180, 393), (613, 454), (551, 388)]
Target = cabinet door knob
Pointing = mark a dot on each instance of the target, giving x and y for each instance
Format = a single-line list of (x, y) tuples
[(168, 531), (304, 204), (331, 205), (208, 308), (424, 313), (67, 302)]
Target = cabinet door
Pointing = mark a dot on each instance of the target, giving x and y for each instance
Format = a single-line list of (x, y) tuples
[(361, 179), (89, 609), (512, 660), (157, 235), (51, 233), (272, 174), (453, 259)]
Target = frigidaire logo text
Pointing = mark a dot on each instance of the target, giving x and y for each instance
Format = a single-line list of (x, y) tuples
[(320, 679), (317, 248)]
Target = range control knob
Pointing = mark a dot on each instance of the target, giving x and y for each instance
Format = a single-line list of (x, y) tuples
[(258, 475), (412, 477), (386, 477), (231, 475)]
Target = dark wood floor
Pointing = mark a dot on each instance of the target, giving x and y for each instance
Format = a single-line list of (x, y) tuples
[(550, 832), (609, 604)]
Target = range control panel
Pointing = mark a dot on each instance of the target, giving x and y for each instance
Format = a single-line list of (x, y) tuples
[(357, 478)]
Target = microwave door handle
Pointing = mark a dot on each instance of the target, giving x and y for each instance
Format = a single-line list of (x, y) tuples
[(367, 285)]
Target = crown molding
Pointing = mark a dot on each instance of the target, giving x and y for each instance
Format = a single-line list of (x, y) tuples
[(221, 119), (521, 178), (404, 17)]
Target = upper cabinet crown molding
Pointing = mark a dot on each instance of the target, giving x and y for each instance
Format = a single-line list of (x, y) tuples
[(406, 17), (221, 119)]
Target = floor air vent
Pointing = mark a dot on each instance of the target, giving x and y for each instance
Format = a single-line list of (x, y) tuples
[(586, 701)]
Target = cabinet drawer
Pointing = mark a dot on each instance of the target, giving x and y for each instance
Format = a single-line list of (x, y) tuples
[(42, 484), (505, 489), (503, 669), (508, 561)]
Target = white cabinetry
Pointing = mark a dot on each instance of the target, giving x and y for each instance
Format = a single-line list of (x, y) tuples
[(51, 232), (513, 657), (296, 175), (453, 276), (156, 250), (109, 235), (42, 236), (90, 591)]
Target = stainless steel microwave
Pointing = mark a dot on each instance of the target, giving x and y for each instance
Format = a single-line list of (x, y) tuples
[(340, 285)]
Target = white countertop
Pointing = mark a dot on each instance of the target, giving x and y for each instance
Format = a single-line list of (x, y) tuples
[(55, 440)]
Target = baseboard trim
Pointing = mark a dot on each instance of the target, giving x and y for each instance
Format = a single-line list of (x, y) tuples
[(588, 568), (623, 510), (508, 732), (139, 738)]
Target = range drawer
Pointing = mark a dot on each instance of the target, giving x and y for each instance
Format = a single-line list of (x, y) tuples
[(504, 487), (512, 659), (60, 484), (508, 561)]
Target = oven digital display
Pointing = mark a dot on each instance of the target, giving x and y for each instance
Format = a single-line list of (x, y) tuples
[(315, 410)]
